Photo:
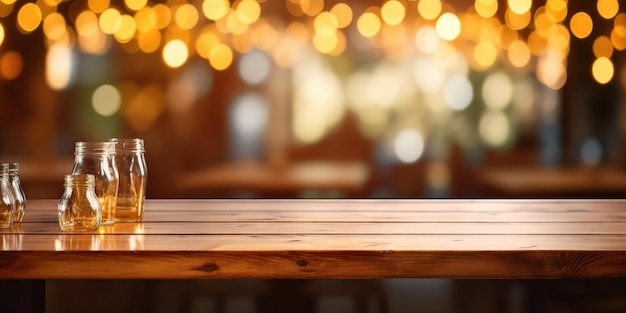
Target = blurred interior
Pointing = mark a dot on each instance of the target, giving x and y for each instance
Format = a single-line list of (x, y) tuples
[(327, 99), (316, 99)]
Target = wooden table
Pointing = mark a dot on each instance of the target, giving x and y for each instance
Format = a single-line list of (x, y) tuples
[(310, 239)]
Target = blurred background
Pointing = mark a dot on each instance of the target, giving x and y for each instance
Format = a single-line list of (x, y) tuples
[(320, 98)]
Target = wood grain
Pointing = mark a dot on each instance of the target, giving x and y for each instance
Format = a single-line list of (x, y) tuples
[(328, 239)]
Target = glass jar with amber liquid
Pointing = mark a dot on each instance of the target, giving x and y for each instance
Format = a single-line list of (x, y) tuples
[(133, 174), (18, 192), (79, 208), (7, 200), (98, 159)]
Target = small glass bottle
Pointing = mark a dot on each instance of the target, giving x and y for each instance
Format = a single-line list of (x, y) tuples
[(18, 192), (98, 159), (79, 208), (133, 174), (7, 200)]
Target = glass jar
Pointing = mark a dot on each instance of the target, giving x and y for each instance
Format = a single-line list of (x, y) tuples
[(98, 159), (18, 192), (79, 208), (7, 200), (133, 174)]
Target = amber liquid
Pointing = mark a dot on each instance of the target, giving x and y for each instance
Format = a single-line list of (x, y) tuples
[(107, 203), (79, 219), (129, 209), (6, 219)]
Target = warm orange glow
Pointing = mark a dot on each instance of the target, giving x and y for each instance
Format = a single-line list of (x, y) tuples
[(607, 8), (98, 6), (519, 53), (448, 26), (602, 47), (486, 8), (517, 21), (186, 16), (11, 64), (393, 12), (581, 25), (29, 17), (54, 26), (368, 24), (343, 13), (220, 57), (603, 70), (429, 9)]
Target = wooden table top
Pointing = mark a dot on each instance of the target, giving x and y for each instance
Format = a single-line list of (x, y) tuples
[(328, 239)]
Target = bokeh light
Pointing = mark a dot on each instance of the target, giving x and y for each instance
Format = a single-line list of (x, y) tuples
[(11, 65), (494, 128), (458, 92), (581, 25), (106, 100), (429, 9), (409, 145), (497, 90), (29, 17), (448, 26), (175, 53), (602, 70), (254, 67)]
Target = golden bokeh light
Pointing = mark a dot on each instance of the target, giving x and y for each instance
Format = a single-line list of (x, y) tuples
[(581, 25), (393, 12), (485, 54), (519, 6), (146, 19), (312, 7), (325, 43), (486, 8), (343, 13), (368, 24), (127, 29), (6, 9), (54, 26), (186, 16), (325, 24), (448, 26), (29, 17), (519, 53), (220, 57), (429, 9), (248, 11), (618, 41), (2, 34), (175, 53), (205, 43), (135, 5), (87, 23), (517, 21), (149, 41), (602, 47), (607, 8), (98, 6), (215, 9), (110, 21), (164, 15), (602, 70)]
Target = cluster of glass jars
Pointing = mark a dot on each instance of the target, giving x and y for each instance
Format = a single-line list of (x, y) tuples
[(107, 185), (12, 197)]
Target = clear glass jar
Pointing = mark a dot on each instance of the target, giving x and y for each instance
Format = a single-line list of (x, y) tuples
[(18, 192), (79, 208), (133, 174), (7, 200), (98, 159)]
